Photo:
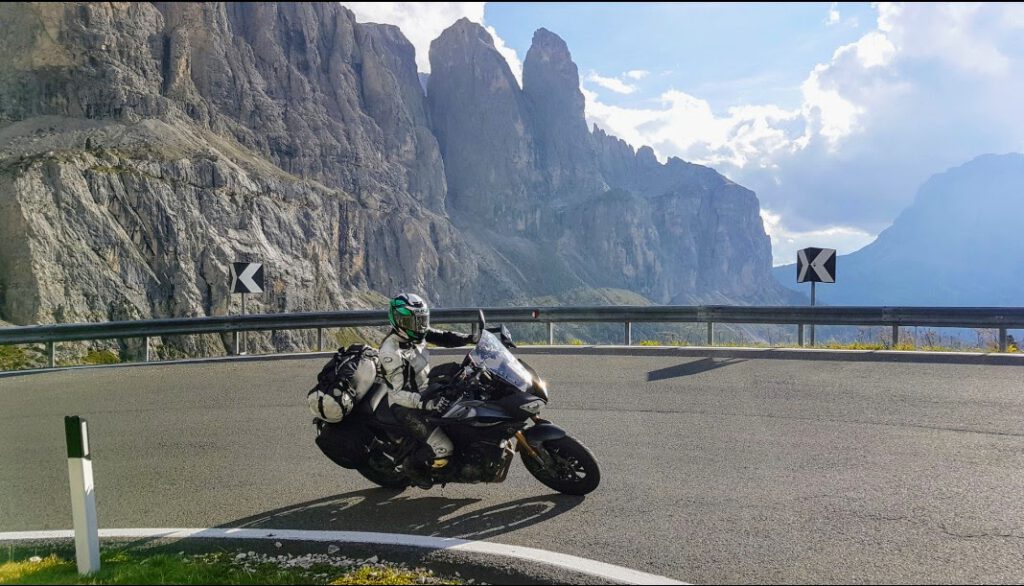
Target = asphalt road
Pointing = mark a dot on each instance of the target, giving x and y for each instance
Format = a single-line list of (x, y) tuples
[(714, 469)]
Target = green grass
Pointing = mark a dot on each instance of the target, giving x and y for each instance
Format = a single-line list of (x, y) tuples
[(125, 567), (663, 343), (345, 337), (101, 357), (18, 358), (378, 576)]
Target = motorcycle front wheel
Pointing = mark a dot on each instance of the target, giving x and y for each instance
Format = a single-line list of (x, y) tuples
[(381, 472), (574, 471)]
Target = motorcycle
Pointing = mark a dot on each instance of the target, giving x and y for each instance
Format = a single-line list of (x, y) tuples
[(494, 403)]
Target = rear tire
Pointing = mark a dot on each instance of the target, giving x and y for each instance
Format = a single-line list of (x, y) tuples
[(379, 471), (577, 474)]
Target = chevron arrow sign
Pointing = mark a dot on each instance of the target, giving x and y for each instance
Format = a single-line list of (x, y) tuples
[(247, 277), (816, 265)]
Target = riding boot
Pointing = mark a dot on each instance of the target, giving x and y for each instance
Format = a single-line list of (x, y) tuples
[(434, 449), (417, 467)]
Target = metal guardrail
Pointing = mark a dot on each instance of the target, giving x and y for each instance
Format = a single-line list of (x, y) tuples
[(998, 318)]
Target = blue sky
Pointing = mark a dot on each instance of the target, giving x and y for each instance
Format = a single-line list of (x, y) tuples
[(834, 113), (729, 54)]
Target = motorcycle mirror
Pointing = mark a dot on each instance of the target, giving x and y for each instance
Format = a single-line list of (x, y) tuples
[(506, 337), (481, 321)]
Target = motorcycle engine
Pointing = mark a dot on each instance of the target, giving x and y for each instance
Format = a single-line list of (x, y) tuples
[(487, 462)]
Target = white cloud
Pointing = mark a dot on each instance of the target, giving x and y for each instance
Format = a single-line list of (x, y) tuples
[(833, 14), (685, 126), (837, 96), (873, 50), (786, 242), (637, 74), (964, 35), (834, 98), (612, 83), (422, 22)]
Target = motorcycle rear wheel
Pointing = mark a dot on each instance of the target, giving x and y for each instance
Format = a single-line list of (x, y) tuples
[(577, 471), (379, 471)]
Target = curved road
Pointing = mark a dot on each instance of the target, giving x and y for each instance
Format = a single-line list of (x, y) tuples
[(715, 469)]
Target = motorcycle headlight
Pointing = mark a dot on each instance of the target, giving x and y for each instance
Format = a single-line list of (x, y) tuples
[(540, 389), (533, 407)]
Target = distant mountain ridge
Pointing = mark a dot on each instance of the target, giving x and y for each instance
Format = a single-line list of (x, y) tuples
[(960, 243)]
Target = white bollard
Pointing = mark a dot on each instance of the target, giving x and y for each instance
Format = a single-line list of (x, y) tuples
[(83, 495)]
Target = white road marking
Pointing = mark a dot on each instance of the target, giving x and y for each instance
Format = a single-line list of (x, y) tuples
[(558, 560)]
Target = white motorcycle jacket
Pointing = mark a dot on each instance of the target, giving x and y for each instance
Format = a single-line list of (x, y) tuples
[(405, 366)]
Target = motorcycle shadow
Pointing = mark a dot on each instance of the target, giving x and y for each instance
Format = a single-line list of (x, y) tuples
[(382, 510)]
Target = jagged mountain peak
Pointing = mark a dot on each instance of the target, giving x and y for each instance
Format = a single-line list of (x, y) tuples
[(550, 44), (464, 31)]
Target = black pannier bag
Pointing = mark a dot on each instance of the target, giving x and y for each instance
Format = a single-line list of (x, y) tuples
[(346, 443), (342, 382)]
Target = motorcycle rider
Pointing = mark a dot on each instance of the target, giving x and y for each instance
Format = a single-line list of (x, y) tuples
[(405, 367)]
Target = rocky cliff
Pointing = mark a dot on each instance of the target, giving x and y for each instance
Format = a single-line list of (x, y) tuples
[(145, 146), (586, 204)]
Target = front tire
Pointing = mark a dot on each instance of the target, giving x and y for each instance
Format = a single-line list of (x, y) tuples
[(575, 469), (379, 471)]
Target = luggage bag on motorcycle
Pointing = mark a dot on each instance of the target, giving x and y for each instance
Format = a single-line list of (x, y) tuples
[(345, 443), (343, 382)]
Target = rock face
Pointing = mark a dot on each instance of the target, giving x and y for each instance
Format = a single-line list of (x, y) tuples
[(484, 126), (977, 261), (144, 147), (594, 209), (551, 84)]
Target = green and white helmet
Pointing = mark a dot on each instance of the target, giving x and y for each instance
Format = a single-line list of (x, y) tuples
[(409, 316)]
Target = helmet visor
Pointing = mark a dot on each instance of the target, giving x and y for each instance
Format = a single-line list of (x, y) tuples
[(414, 322)]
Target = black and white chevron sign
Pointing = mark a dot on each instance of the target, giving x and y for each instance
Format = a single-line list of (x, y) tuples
[(247, 277), (816, 265)]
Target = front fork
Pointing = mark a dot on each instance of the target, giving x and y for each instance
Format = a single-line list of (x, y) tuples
[(524, 446)]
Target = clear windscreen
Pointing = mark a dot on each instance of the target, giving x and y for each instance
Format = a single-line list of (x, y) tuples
[(491, 354)]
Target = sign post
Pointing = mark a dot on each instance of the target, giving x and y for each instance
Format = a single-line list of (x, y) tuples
[(83, 495), (246, 277), (814, 265)]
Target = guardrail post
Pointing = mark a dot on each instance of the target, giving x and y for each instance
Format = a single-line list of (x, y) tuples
[(51, 354), (145, 343), (629, 334), (895, 336), (711, 333), (800, 335), (234, 347), (1002, 339), (319, 339), (551, 333)]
